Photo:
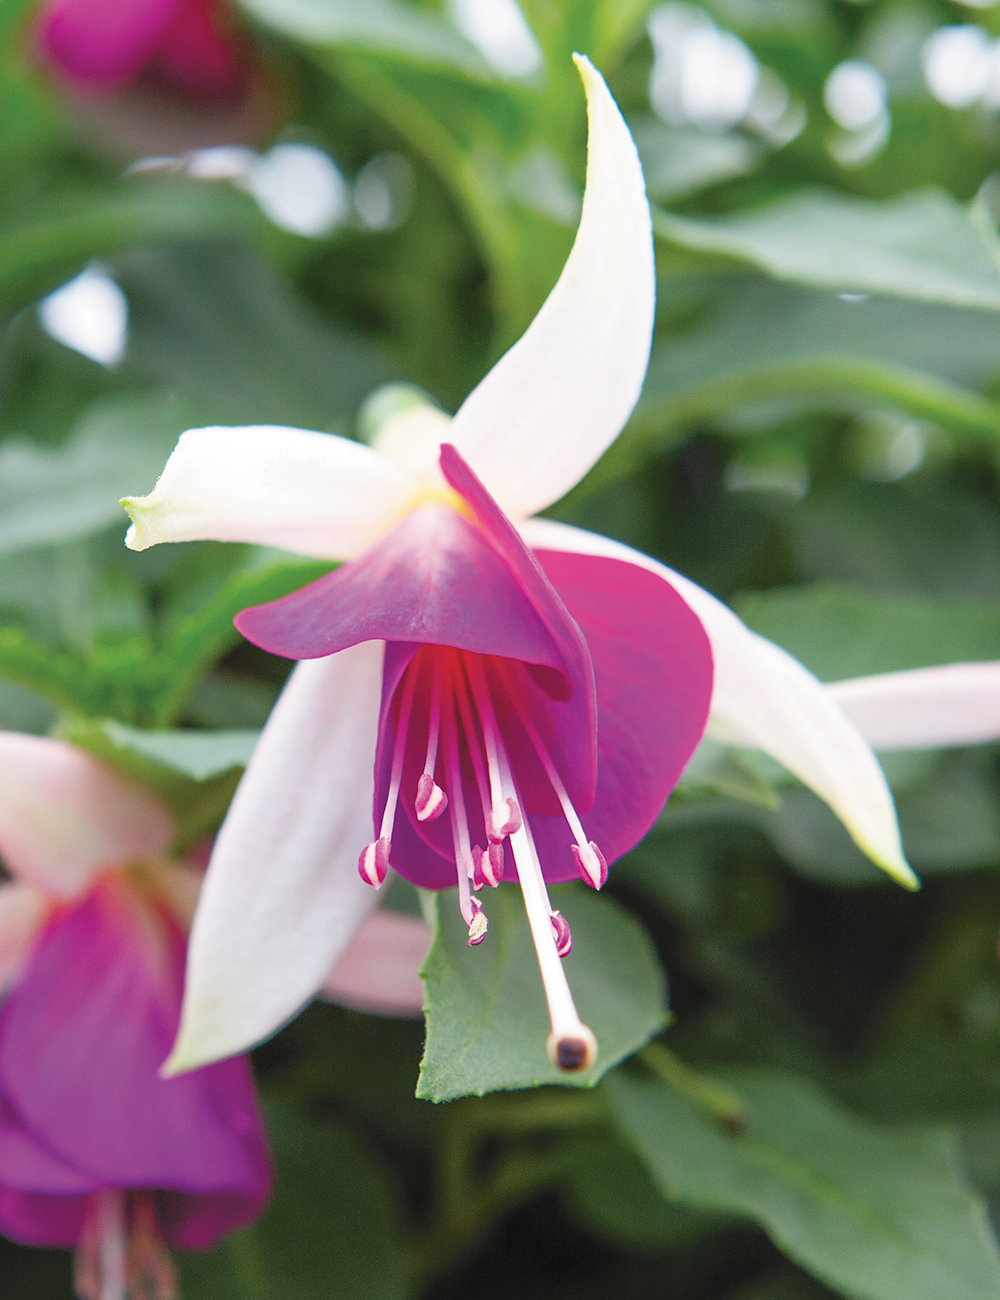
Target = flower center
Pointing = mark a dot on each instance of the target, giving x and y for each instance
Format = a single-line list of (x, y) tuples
[(466, 740)]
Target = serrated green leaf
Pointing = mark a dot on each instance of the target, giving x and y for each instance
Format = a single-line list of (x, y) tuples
[(924, 245), (878, 1214), (486, 1016)]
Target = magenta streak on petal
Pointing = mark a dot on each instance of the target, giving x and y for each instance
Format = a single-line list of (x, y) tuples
[(83, 1034), (434, 579), (654, 686), (102, 44)]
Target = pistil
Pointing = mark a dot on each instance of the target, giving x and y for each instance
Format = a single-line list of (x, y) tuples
[(101, 1263)]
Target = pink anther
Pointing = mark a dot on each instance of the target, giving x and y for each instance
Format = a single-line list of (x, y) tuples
[(493, 864), (478, 925), (431, 800), (561, 930), (591, 863), (504, 820), (374, 863)]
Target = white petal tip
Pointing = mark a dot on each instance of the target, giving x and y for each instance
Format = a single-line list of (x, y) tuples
[(900, 870), (135, 538)]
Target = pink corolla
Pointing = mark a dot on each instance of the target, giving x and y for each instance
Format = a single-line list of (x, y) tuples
[(483, 696), (97, 1151), (100, 46)]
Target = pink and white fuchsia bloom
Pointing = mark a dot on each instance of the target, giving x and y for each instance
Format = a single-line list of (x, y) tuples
[(97, 1151), (513, 696)]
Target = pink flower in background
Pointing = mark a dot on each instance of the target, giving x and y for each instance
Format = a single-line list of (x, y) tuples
[(97, 1151), (100, 46)]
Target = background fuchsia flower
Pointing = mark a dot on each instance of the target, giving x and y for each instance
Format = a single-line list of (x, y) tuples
[(100, 46), (97, 1151), (511, 698)]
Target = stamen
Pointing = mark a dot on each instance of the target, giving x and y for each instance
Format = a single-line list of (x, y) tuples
[(431, 800), (151, 1271), (479, 926), (590, 861), (561, 930), (505, 815), (472, 909), (571, 1046), (100, 1265), (373, 864), (492, 871), (374, 860)]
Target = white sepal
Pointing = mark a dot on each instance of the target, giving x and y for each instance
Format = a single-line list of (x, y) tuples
[(923, 708), (555, 402), (282, 899)]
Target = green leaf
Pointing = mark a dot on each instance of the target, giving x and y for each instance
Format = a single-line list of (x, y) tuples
[(53, 494), (197, 754), (486, 1016), (417, 35), (75, 225), (841, 631), (717, 769), (682, 160), (330, 1230), (878, 1214), (218, 322), (924, 245)]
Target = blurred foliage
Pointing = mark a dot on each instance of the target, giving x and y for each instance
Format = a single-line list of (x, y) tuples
[(818, 443)]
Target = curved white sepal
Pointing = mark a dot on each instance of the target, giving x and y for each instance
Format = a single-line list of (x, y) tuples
[(282, 899), (765, 699), (65, 815), (557, 400), (312, 493), (924, 708)]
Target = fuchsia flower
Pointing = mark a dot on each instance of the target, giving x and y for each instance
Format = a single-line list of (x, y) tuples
[(96, 1150), (515, 700), (100, 46)]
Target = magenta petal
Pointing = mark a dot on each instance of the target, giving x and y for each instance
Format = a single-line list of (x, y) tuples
[(27, 1165), (36, 1219), (83, 1034), (103, 43), (653, 665), (434, 579), (194, 55)]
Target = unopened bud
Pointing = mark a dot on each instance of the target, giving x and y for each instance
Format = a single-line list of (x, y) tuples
[(504, 820), (563, 936), (574, 1051), (591, 863), (374, 863), (431, 800)]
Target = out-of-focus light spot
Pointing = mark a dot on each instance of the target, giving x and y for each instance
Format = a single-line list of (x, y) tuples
[(300, 188), (772, 111), (789, 477), (88, 314), (854, 297), (701, 76), (224, 162), (383, 191), (958, 63), (978, 4), (499, 31), (854, 94), (891, 445)]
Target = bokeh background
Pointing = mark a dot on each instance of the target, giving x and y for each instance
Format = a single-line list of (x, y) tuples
[(369, 202)]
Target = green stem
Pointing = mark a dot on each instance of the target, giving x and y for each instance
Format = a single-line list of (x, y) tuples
[(720, 1105)]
